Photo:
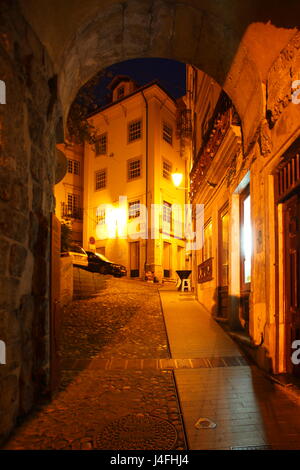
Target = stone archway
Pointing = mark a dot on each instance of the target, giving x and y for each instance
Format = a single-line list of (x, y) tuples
[(47, 52), (234, 43)]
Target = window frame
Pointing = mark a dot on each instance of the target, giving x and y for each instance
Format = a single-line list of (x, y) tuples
[(245, 286), (137, 214), (98, 154), (207, 223), (165, 161), (72, 163), (131, 160), (166, 124), (130, 123), (95, 179)]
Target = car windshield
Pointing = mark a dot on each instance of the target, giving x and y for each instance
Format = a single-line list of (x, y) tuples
[(103, 257), (77, 249)]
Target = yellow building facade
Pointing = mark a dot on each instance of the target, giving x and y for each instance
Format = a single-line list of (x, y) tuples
[(139, 145), (69, 191)]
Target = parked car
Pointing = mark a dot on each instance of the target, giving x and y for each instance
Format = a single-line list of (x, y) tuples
[(100, 264), (78, 255)]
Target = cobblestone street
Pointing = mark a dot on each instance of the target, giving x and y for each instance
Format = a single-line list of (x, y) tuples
[(135, 378), (124, 322)]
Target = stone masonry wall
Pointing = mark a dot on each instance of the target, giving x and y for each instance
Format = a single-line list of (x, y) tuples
[(27, 163)]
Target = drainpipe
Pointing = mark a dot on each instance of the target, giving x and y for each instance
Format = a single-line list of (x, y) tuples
[(147, 111)]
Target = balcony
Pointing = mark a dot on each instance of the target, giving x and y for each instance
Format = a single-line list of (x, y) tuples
[(223, 118), (68, 212)]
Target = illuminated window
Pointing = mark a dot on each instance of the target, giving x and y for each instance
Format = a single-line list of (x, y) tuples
[(207, 247), (167, 133), (73, 166), (134, 209), (100, 217), (246, 236), (134, 130), (167, 216), (167, 169), (100, 179), (134, 169), (101, 145), (224, 247)]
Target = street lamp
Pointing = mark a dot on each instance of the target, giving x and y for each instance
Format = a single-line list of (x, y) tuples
[(177, 178)]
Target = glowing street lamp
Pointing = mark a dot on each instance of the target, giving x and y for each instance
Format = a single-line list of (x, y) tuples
[(177, 178)]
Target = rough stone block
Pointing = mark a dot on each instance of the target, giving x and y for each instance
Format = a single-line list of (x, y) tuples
[(17, 260), (4, 251)]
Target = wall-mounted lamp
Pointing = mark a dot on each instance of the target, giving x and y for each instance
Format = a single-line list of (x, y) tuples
[(177, 178)]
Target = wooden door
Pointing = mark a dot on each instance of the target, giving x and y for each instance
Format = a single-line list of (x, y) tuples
[(54, 304), (134, 259), (223, 257), (291, 211)]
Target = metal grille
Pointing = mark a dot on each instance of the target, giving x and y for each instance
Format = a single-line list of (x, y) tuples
[(137, 432), (288, 176)]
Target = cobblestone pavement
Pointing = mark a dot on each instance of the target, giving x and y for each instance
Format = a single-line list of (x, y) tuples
[(108, 328), (116, 323)]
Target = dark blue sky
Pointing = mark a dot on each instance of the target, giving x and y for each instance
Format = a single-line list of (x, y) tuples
[(170, 73)]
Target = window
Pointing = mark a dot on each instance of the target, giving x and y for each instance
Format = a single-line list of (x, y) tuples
[(167, 216), (100, 179), (73, 201), (73, 166), (207, 247), (167, 133), (246, 236), (101, 145), (134, 209), (134, 130), (167, 169), (134, 169), (72, 207), (100, 216), (120, 92), (223, 247)]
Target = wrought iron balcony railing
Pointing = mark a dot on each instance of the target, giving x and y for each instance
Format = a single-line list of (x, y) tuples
[(68, 212), (223, 117)]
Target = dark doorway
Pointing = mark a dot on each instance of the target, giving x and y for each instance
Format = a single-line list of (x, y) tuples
[(291, 233)]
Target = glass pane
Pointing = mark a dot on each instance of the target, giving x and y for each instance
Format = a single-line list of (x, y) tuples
[(247, 240), (225, 248)]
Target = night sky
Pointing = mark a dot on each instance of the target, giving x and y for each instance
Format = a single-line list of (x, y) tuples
[(170, 74)]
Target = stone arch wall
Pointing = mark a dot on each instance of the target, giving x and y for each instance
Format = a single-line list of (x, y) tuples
[(186, 33), (231, 41), (28, 123)]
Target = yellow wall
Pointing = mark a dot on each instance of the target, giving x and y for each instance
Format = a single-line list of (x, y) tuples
[(71, 183), (114, 120)]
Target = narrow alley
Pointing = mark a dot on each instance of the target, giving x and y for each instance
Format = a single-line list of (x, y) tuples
[(141, 366)]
